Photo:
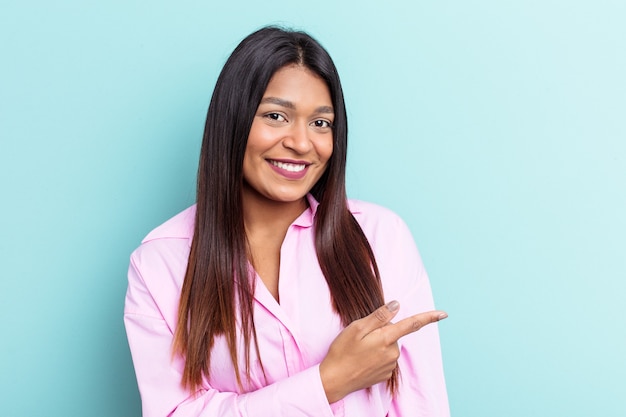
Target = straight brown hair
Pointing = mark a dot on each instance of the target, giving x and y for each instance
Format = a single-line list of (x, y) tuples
[(217, 287)]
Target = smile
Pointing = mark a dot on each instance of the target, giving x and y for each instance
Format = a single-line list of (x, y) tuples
[(288, 166)]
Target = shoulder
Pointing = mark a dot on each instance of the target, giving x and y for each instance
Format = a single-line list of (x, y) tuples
[(399, 262), (375, 218), (178, 227), (388, 235), (166, 248), (157, 268)]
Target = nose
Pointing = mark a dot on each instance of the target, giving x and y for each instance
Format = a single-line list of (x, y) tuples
[(297, 138)]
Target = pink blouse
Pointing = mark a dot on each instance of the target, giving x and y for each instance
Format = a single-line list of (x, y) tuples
[(293, 336)]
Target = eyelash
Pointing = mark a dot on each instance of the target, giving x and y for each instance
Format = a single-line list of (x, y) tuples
[(328, 125), (277, 117)]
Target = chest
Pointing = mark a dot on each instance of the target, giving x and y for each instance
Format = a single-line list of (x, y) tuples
[(266, 260), (292, 336)]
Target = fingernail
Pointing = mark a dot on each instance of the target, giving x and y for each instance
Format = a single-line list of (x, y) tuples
[(443, 316), (393, 306)]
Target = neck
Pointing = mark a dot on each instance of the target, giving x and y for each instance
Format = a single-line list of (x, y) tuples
[(261, 214)]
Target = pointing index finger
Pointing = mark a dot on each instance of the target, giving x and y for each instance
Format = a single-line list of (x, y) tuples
[(414, 323)]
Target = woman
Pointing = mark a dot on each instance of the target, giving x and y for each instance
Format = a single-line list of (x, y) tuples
[(267, 298)]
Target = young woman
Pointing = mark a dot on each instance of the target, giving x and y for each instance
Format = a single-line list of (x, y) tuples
[(268, 297)]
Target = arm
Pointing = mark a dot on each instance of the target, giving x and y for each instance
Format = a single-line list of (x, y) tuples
[(422, 391), (159, 375)]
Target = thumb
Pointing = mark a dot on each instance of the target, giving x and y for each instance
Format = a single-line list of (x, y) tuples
[(379, 317)]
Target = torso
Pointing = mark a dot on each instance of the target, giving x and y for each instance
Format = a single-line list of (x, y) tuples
[(265, 251), (266, 225)]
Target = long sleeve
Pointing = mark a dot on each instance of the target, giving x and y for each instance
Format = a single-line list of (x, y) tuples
[(158, 374), (422, 390)]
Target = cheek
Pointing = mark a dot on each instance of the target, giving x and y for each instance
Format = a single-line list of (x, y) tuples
[(325, 149), (259, 138), (256, 147)]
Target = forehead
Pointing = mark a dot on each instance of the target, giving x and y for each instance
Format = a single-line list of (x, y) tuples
[(297, 83)]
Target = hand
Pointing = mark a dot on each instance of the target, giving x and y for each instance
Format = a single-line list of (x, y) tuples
[(366, 351)]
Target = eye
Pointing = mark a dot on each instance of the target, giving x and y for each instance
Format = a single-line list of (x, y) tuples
[(276, 117), (322, 124)]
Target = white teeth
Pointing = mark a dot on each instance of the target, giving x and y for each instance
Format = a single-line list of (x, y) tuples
[(288, 167)]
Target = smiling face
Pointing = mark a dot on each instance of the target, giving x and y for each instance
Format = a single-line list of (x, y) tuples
[(291, 138)]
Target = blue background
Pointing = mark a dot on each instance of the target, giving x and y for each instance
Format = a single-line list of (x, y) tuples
[(496, 129)]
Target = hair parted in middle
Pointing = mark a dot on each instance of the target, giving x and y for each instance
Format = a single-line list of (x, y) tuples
[(218, 288)]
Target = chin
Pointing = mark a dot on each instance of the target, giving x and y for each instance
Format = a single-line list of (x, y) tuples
[(286, 198), (279, 194)]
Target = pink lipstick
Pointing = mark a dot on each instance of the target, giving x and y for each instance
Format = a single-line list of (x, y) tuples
[(293, 170)]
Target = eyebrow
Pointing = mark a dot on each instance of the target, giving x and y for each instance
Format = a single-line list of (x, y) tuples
[(288, 104)]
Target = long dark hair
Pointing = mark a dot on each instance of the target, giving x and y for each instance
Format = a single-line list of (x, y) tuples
[(216, 283)]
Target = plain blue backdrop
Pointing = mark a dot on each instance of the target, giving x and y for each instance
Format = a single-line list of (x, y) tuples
[(495, 128)]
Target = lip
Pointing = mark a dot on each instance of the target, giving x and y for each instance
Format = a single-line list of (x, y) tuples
[(289, 174)]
